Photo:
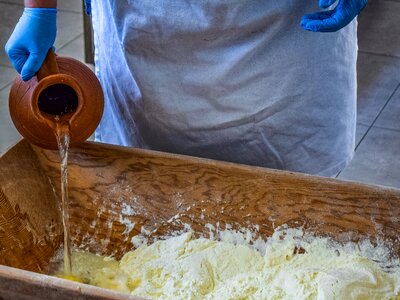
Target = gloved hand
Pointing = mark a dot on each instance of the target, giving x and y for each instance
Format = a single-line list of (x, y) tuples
[(31, 39), (88, 7), (332, 20)]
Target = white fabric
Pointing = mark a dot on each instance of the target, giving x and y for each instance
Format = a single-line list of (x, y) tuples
[(238, 81)]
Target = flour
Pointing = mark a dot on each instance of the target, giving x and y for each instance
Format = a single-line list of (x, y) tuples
[(238, 264)]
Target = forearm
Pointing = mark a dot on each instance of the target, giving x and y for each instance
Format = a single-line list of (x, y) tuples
[(40, 3)]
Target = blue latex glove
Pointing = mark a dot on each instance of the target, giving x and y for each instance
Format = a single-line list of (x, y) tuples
[(31, 39), (88, 7), (332, 20)]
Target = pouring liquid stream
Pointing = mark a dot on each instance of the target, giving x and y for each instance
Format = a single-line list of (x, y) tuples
[(62, 135), (58, 102)]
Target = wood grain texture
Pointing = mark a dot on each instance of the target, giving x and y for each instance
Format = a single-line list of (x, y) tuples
[(117, 192), (106, 180), (30, 229)]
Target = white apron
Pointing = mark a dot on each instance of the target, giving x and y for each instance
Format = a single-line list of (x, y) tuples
[(232, 80)]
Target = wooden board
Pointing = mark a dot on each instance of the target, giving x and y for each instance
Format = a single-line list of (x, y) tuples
[(16, 284), (115, 192), (30, 228)]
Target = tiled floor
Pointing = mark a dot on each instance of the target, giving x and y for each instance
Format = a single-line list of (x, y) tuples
[(377, 158)]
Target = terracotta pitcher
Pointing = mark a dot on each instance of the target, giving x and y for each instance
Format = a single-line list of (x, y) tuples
[(64, 91)]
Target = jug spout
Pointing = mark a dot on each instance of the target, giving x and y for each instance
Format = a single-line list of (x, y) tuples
[(64, 91)]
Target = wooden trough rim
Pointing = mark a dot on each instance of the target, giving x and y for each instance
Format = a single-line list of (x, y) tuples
[(21, 282), (206, 161), (253, 169)]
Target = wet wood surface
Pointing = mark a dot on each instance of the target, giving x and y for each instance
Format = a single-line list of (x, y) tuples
[(117, 194)]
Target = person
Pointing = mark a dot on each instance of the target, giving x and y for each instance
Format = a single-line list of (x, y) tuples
[(263, 83)]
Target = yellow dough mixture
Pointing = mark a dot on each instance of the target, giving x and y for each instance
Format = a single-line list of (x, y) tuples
[(184, 267)]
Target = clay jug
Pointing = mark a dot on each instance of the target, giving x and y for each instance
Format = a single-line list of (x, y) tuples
[(64, 91)]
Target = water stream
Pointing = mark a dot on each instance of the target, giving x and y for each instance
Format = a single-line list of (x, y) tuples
[(62, 135)]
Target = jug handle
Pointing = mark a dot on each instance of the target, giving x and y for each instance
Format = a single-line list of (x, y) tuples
[(49, 66)]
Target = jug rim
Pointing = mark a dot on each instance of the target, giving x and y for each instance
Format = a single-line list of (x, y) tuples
[(51, 80)]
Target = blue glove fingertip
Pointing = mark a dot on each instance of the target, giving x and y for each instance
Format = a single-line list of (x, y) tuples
[(304, 22), (305, 25), (27, 77), (32, 65)]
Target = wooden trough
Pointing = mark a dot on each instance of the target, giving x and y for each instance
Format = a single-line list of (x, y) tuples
[(117, 193)]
